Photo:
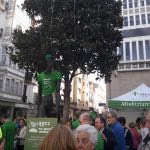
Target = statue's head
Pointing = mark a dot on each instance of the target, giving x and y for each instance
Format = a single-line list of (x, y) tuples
[(50, 61), (48, 57)]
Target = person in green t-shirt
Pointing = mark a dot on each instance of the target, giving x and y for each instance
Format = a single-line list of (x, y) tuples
[(9, 131), (50, 81)]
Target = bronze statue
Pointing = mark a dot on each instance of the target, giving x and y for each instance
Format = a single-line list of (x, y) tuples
[(50, 81)]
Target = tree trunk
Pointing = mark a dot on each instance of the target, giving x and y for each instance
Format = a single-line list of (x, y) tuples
[(66, 107)]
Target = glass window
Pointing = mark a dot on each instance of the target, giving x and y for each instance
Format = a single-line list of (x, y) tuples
[(124, 4), (3, 60), (1, 84), (125, 21), (142, 2), (131, 21), (12, 85), (121, 66), (20, 87), (7, 31), (4, 50), (147, 44), (130, 4), (134, 51), (147, 2), (147, 65), (16, 88), (141, 51), (137, 17), (121, 51), (143, 19), (141, 65), (148, 18), (136, 3), (127, 48), (7, 83)]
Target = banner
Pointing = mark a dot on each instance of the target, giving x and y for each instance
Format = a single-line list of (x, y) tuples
[(37, 129)]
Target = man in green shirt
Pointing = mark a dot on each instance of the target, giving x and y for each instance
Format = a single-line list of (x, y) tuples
[(50, 81), (9, 131)]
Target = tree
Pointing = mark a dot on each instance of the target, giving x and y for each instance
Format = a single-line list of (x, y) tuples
[(79, 34)]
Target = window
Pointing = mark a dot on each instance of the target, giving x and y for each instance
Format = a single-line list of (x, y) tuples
[(147, 45), (7, 31), (147, 65), (4, 50), (1, 84), (128, 66), (141, 51), (137, 18), (124, 4), (143, 19), (3, 60), (134, 52), (142, 2), (121, 66), (130, 4), (136, 3), (125, 21), (1, 32), (16, 87), (147, 2), (121, 51), (141, 65), (12, 85), (11, 5), (148, 18), (127, 48), (131, 21), (7, 83), (20, 87)]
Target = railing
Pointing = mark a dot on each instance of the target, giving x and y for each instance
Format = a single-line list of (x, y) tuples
[(11, 92)]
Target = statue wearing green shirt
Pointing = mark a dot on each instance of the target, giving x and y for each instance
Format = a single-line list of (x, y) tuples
[(50, 81)]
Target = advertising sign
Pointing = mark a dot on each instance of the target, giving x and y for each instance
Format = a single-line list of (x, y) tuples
[(37, 129)]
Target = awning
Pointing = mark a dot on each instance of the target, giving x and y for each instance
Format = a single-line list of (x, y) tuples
[(137, 98)]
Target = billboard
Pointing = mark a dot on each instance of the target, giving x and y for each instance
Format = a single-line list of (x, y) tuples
[(37, 129)]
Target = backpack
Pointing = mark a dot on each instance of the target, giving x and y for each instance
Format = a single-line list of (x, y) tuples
[(145, 143)]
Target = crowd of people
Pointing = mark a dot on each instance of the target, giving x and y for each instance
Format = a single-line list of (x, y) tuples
[(99, 133), (12, 133), (88, 132)]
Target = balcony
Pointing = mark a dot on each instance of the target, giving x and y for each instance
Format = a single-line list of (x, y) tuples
[(10, 96), (11, 91), (134, 66)]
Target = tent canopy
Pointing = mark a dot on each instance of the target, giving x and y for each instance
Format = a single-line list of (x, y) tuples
[(137, 98)]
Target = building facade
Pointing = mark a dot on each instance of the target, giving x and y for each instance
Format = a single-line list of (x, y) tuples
[(18, 95), (86, 93), (134, 67), (13, 89)]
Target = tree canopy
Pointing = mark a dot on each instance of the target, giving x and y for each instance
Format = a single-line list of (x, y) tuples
[(80, 34)]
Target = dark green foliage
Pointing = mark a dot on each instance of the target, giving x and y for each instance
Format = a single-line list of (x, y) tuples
[(78, 33)]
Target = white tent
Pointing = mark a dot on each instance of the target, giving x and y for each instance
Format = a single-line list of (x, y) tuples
[(137, 98)]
